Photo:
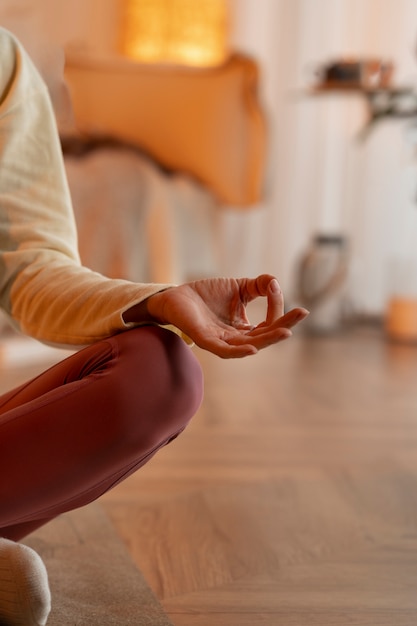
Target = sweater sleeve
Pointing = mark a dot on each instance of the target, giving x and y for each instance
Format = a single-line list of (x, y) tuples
[(44, 288)]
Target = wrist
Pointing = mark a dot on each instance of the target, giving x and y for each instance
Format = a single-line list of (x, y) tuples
[(147, 311), (155, 307)]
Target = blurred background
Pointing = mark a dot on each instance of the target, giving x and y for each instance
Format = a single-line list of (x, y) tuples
[(325, 172)]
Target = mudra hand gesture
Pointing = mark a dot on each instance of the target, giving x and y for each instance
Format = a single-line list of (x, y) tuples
[(212, 312)]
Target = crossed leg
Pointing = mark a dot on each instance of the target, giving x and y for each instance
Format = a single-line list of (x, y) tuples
[(87, 423)]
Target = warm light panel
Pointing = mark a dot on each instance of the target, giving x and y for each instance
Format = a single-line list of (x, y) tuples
[(188, 32)]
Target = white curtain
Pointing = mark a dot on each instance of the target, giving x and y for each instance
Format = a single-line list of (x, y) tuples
[(321, 178)]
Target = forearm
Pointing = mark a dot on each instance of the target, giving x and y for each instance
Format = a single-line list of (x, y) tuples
[(63, 303)]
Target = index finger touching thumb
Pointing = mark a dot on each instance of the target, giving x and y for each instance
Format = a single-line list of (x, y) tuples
[(275, 302)]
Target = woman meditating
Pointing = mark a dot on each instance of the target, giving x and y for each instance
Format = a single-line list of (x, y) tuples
[(87, 423)]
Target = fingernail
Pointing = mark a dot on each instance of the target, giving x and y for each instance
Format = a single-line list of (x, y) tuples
[(274, 286)]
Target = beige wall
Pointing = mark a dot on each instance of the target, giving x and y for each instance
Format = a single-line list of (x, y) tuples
[(89, 24)]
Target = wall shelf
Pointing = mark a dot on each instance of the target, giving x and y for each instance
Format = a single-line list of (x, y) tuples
[(383, 102)]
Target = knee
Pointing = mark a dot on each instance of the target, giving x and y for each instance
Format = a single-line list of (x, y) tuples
[(166, 385), (179, 376)]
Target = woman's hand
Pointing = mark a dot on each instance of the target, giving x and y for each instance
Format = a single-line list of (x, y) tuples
[(212, 312)]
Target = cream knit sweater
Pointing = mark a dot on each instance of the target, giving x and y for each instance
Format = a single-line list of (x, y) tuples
[(43, 287)]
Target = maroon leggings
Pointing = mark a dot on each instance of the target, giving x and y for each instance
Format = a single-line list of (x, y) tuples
[(87, 423)]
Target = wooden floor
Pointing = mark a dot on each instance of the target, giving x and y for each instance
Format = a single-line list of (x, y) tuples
[(292, 497)]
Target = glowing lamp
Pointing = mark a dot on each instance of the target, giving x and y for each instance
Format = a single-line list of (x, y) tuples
[(181, 32)]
